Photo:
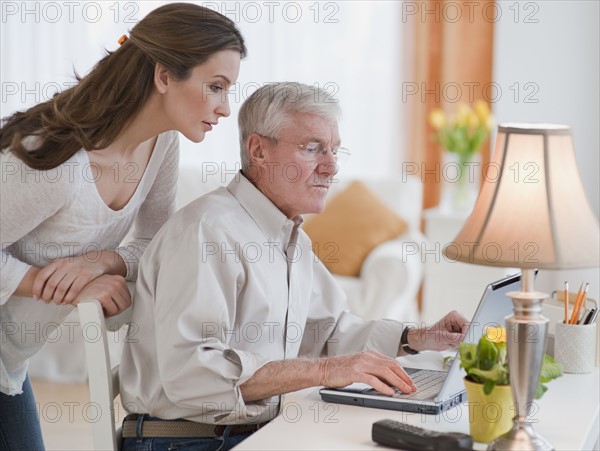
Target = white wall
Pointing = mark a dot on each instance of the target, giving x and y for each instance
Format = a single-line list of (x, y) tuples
[(546, 63), (351, 49), (552, 50)]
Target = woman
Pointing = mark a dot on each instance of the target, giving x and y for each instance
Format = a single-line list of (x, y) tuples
[(80, 170)]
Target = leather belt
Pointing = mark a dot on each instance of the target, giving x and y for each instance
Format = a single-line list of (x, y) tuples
[(182, 428)]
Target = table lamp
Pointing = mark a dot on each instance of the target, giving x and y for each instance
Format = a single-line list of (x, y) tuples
[(531, 212)]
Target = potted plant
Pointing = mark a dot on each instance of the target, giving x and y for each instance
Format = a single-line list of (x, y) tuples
[(487, 383), (462, 135)]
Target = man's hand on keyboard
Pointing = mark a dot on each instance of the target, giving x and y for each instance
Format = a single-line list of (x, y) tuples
[(370, 367)]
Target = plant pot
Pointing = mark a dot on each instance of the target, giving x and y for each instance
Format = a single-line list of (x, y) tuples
[(490, 416)]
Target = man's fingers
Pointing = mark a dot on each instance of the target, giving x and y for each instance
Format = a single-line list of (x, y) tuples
[(389, 372), (458, 323), (447, 340), (404, 377), (390, 377), (378, 385), (465, 328), (454, 339)]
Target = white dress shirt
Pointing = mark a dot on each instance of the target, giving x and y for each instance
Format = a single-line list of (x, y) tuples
[(210, 309), (45, 215)]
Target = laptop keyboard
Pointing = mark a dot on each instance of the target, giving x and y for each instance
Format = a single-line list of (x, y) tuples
[(428, 383)]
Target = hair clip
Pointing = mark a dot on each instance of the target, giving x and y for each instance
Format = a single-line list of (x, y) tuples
[(122, 39)]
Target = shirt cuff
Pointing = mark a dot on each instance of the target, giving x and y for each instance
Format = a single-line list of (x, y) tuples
[(255, 412), (386, 337), (249, 363)]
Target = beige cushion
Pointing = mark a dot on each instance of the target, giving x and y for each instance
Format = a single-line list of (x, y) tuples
[(354, 222)]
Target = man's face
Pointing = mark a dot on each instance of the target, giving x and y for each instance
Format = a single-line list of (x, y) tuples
[(295, 180)]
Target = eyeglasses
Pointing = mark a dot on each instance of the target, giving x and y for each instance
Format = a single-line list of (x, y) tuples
[(316, 152)]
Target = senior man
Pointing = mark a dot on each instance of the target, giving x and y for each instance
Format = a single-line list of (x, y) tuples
[(233, 309)]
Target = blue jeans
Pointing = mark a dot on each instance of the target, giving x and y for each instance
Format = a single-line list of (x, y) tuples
[(222, 443), (19, 422)]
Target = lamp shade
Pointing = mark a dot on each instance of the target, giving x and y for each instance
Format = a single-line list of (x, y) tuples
[(532, 211)]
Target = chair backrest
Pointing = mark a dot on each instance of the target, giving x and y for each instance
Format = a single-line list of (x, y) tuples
[(102, 379)]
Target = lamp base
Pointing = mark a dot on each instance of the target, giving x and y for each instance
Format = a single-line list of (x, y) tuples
[(526, 333), (520, 437)]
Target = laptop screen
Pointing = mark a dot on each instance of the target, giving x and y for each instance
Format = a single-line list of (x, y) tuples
[(492, 310)]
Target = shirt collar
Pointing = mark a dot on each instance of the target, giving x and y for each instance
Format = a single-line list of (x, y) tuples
[(265, 213)]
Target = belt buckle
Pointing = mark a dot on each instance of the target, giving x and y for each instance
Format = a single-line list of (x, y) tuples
[(219, 430)]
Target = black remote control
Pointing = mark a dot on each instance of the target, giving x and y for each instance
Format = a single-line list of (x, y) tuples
[(404, 436)]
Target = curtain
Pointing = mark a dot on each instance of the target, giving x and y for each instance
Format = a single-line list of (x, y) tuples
[(448, 48), (451, 61)]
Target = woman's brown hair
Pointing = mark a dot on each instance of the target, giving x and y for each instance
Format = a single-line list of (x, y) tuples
[(91, 114)]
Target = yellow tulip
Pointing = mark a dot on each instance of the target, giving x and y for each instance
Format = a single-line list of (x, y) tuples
[(462, 114), (496, 334), (437, 119), (482, 109), (472, 120)]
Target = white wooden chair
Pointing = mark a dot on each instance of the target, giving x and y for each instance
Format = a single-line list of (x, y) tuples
[(103, 380)]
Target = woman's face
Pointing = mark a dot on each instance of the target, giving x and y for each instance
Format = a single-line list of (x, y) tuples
[(194, 106)]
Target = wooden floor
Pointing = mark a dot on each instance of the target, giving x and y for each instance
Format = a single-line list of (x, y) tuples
[(66, 415)]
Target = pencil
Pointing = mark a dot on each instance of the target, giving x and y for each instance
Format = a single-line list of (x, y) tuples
[(566, 302), (577, 299)]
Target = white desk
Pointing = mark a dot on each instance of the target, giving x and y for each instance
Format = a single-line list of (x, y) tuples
[(567, 416)]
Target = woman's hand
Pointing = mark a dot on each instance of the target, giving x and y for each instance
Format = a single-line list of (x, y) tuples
[(111, 291), (62, 280)]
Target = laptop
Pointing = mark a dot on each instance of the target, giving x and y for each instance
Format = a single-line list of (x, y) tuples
[(437, 391)]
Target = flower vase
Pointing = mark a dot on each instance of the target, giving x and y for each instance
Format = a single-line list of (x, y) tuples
[(461, 177), (490, 416)]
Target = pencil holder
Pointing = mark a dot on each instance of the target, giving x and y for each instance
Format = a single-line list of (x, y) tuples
[(575, 347)]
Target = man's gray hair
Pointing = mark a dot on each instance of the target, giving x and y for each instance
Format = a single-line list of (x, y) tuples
[(270, 107)]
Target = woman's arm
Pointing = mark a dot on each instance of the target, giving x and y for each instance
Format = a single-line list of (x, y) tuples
[(27, 198), (25, 288), (110, 290), (62, 280)]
